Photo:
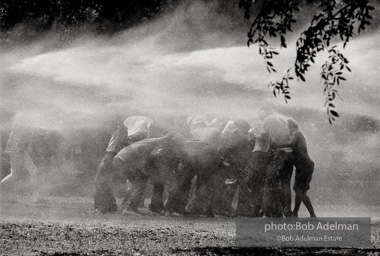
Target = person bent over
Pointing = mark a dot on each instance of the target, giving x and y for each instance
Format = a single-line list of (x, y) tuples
[(304, 169)]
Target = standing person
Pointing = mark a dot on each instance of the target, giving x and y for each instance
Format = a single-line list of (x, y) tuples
[(257, 166), (304, 169), (277, 191), (236, 150), (21, 162)]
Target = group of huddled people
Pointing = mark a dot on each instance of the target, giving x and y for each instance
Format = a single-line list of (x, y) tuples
[(203, 170), (195, 166)]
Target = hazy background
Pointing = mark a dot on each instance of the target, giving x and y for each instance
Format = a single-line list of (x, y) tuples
[(194, 60)]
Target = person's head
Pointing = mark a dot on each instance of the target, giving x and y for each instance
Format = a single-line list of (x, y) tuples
[(243, 125)]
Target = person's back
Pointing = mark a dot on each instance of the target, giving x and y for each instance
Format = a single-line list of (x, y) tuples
[(299, 146), (277, 127), (298, 143)]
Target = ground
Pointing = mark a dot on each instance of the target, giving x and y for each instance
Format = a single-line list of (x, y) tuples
[(68, 226)]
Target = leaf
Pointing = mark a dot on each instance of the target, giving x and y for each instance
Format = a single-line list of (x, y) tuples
[(283, 41), (334, 113), (301, 76)]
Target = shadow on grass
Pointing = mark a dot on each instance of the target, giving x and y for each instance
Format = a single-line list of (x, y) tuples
[(277, 251)]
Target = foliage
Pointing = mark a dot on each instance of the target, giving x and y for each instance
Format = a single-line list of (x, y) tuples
[(334, 20), (70, 16)]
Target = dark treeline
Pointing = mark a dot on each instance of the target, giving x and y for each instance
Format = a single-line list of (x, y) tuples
[(24, 20), (106, 14), (27, 19)]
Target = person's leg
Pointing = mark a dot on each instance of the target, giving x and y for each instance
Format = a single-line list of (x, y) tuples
[(156, 204), (280, 172), (268, 193), (222, 206), (257, 199), (104, 199), (244, 206), (139, 186), (204, 199), (285, 175), (278, 199), (178, 197), (128, 192), (210, 197), (304, 173), (232, 189), (257, 202), (194, 204), (257, 167), (297, 205), (306, 200), (31, 168), (10, 182)]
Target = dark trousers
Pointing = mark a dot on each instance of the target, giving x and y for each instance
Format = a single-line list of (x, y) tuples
[(156, 204), (139, 182), (178, 197), (204, 196), (277, 192), (257, 167)]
